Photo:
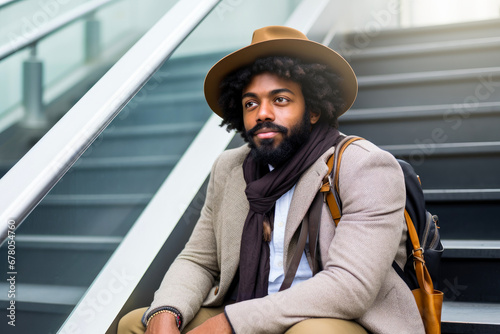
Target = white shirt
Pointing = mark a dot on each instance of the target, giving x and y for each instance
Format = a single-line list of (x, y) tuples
[(276, 273)]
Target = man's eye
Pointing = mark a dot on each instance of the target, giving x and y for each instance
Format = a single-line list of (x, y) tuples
[(281, 99), (249, 104)]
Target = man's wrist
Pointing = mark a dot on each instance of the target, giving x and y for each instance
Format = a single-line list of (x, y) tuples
[(165, 317), (165, 313)]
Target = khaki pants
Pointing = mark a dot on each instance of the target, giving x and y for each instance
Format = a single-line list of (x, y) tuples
[(131, 323)]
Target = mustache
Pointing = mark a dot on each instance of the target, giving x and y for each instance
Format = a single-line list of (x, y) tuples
[(266, 125)]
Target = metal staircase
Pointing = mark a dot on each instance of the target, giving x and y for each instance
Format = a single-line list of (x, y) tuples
[(431, 96)]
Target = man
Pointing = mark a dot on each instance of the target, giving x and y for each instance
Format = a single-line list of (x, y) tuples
[(284, 93)]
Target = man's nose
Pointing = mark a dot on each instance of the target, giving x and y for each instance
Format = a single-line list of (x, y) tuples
[(265, 113)]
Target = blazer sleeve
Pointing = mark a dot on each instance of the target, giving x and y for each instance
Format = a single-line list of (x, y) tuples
[(192, 274), (359, 257)]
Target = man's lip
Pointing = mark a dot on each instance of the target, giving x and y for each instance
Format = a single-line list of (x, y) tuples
[(266, 133)]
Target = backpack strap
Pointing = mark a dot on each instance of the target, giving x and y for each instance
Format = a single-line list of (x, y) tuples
[(423, 276), (331, 182), (429, 301)]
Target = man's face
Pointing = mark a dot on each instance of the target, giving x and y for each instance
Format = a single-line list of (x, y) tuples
[(275, 117)]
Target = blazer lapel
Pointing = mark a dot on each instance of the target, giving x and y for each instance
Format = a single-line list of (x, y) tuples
[(236, 210)]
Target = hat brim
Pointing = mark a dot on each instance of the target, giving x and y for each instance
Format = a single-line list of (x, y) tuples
[(306, 50)]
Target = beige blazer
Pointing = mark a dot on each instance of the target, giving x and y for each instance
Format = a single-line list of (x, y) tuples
[(357, 281)]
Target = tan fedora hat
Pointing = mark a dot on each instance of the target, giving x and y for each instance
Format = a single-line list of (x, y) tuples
[(281, 41)]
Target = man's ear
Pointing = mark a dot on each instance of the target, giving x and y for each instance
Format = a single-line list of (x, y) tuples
[(314, 117)]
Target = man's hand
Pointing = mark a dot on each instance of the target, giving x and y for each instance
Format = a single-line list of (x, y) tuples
[(163, 323), (214, 325)]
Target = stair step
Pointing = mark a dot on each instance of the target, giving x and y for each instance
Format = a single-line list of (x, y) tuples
[(466, 213), (177, 83), (447, 148), (428, 47), (107, 199), (443, 166), (116, 175), (188, 109), (426, 34), (190, 65), (486, 249), (58, 259), (65, 242), (465, 318), (426, 77), (85, 215), (470, 279), (152, 130), (144, 140), (415, 112), (55, 298), (126, 162), (170, 99), (180, 85), (416, 124), (180, 75), (434, 56), (469, 269), (436, 87), (462, 194), (40, 306)]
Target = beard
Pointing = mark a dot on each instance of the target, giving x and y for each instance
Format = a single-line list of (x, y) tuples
[(293, 139)]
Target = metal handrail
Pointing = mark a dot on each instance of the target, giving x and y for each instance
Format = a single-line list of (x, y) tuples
[(51, 27), (5, 3), (29, 181)]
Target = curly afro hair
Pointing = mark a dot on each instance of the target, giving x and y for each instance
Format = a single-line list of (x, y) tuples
[(319, 87)]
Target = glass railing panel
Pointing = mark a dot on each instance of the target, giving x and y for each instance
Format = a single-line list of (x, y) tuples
[(23, 18), (68, 67), (119, 18), (58, 52), (228, 27), (11, 81), (65, 242), (62, 52)]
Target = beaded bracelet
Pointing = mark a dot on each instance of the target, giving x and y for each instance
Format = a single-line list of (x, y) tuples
[(177, 317)]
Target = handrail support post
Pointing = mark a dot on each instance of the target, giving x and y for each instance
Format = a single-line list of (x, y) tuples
[(92, 45), (33, 91)]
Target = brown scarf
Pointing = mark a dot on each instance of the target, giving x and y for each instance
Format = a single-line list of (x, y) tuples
[(262, 193)]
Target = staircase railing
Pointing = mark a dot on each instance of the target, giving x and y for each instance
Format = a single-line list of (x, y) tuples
[(27, 183), (52, 27), (33, 67)]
